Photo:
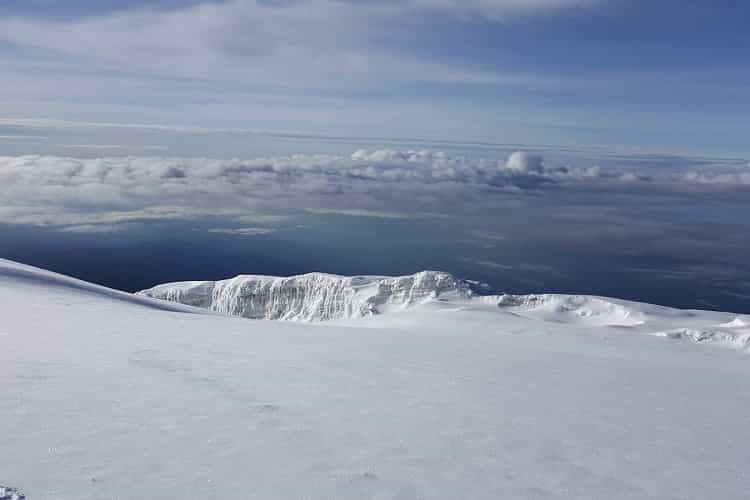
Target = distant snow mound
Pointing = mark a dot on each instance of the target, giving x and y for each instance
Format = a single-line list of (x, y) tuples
[(580, 309), (734, 339), (311, 297)]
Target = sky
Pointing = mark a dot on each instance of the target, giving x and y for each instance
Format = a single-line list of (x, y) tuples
[(662, 76), (576, 146)]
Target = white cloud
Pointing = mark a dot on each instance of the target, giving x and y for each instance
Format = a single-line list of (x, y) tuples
[(521, 161)]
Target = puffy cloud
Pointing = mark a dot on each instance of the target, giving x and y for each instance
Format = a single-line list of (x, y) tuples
[(521, 161), (81, 192)]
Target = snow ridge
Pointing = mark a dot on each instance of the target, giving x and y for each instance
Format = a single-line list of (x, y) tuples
[(311, 297), (14, 274)]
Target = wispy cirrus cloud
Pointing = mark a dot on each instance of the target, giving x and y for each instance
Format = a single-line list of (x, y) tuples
[(502, 9), (469, 70), (300, 44)]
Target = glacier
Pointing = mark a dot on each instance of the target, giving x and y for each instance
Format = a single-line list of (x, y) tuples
[(311, 297), (319, 297)]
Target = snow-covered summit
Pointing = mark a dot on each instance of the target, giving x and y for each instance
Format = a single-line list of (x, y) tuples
[(313, 296)]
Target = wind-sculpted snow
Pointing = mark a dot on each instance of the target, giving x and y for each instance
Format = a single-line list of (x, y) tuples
[(579, 309), (310, 297)]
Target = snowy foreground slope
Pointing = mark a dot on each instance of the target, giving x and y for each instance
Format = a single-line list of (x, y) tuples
[(108, 395)]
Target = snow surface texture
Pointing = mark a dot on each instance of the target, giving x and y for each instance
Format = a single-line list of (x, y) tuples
[(107, 395), (321, 297)]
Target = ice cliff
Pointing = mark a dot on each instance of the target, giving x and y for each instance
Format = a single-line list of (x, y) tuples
[(311, 297)]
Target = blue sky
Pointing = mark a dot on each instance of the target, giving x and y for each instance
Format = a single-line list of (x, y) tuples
[(668, 76)]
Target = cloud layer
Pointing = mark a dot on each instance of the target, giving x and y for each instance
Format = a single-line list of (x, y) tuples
[(68, 191)]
